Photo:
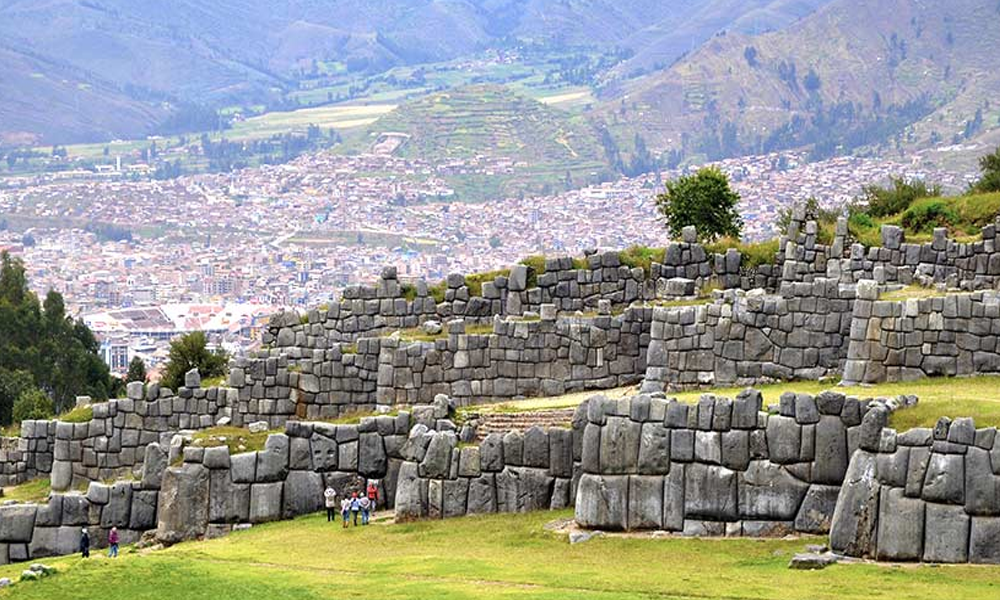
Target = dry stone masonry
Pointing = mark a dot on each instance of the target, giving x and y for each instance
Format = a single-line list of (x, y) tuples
[(922, 495), (721, 466)]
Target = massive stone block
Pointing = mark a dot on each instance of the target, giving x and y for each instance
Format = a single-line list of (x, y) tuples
[(17, 522), (523, 489), (710, 493), (946, 535), (303, 493), (654, 449), (853, 529), (482, 497), (816, 511), (645, 502), (619, 453), (768, 492), (411, 493), (831, 451), (602, 502), (900, 526), (984, 540), (183, 505), (265, 502)]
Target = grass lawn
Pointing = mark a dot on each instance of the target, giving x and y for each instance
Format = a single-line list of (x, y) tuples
[(500, 556), (977, 397)]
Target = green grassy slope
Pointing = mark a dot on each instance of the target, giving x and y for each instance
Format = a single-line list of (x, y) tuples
[(499, 556)]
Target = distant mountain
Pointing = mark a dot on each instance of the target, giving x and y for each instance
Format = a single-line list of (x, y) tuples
[(905, 74), (97, 69)]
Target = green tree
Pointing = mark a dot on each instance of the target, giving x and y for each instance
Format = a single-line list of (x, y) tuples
[(188, 352), (12, 385), (60, 353), (136, 370), (33, 404), (989, 165), (703, 200)]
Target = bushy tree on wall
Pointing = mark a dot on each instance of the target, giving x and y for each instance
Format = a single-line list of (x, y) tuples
[(703, 200), (188, 352)]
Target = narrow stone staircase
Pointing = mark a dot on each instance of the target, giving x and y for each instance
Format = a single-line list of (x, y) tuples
[(490, 422)]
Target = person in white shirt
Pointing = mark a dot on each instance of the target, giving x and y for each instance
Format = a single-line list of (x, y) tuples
[(330, 501)]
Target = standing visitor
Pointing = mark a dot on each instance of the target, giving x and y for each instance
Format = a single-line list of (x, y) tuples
[(85, 543), (365, 506), (345, 510), (373, 495), (355, 508), (113, 543), (330, 500)]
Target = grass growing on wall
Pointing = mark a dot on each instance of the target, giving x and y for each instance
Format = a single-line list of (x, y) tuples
[(488, 557), (977, 397), (80, 414), (752, 254), (35, 490), (237, 439)]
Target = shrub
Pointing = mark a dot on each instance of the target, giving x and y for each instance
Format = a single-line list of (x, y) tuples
[(33, 404), (884, 202), (752, 255), (476, 280), (642, 256), (925, 216), (989, 165), (409, 291)]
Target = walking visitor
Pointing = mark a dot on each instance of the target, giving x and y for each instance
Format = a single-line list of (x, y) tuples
[(85, 543), (113, 543)]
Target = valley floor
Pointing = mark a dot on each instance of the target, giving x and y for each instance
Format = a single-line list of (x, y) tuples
[(498, 556)]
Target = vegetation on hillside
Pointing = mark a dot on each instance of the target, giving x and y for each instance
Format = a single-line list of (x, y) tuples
[(44, 350), (190, 351), (919, 207)]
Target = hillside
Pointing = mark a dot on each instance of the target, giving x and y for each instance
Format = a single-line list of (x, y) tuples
[(121, 65), (855, 74), (539, 144)]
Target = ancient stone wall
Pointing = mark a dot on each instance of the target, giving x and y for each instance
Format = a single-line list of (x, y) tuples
[(971, 266), (923, 495), (29, 455), (748, 337), (33, 530), (546, 356), (721, 467), (370, 311), (511, 473), (211, 491), (910, 339), (275, 385), (113, 441)]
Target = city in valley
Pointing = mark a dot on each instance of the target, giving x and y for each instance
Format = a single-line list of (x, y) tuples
[(221, 252)]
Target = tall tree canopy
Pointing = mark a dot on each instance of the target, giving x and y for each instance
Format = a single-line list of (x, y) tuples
[(43, 348), (704, 200)]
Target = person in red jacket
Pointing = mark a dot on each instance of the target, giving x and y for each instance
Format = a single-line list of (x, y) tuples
[(373, 494), (113, 543)]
